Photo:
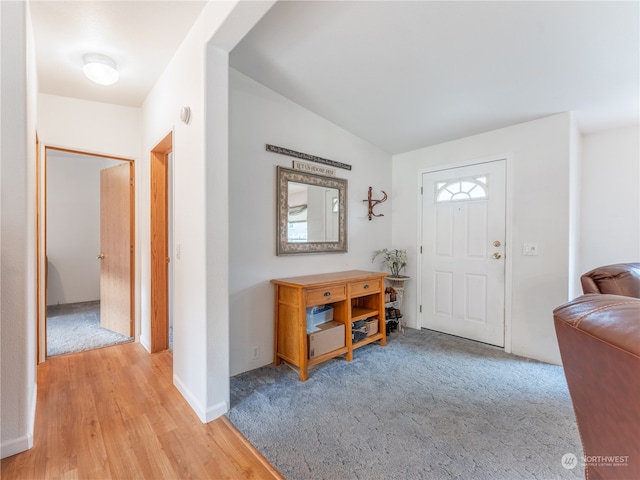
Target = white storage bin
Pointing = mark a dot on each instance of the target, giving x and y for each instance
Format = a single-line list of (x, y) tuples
[(317, 315)]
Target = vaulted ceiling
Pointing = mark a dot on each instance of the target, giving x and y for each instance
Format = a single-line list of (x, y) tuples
[(408, 74), (401, 75)]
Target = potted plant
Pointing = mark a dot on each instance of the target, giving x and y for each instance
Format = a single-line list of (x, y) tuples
[(396, 261)]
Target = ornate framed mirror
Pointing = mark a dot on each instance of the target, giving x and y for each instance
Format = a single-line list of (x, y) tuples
[(312, 213)]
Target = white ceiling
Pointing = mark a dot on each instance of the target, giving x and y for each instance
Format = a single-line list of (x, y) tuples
[(141, 37), (401, 75)]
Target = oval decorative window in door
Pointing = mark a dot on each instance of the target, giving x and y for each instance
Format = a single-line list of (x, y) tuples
[(457, 189)]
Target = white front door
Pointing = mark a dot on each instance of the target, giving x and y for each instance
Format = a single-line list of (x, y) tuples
[(463, 236)]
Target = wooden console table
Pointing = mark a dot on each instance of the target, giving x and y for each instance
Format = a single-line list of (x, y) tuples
[(354, 295)]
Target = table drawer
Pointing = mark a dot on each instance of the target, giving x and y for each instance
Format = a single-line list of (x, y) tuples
[(365, 288), (319, 296)]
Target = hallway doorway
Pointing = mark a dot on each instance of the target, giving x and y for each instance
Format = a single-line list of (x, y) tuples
[(88, 285), (160, 205)]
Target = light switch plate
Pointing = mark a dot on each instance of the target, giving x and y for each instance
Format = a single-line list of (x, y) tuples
[(530, 249)]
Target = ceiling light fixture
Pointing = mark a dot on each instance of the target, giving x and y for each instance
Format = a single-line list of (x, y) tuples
[(100, 69)]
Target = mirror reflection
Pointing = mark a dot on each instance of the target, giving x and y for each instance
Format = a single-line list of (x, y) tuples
[(311, 213)]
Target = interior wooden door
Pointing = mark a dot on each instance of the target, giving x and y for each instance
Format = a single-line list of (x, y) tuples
[(160, 259), (116, 247)]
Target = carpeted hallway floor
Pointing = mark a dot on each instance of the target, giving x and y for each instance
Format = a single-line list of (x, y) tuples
[(75, 327), (426, 406)]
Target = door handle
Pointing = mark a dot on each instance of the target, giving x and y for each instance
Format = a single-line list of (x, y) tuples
[(100, 257), (497, 256)]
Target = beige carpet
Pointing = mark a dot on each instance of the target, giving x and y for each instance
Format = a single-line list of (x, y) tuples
[(75, 327), (426, 406)]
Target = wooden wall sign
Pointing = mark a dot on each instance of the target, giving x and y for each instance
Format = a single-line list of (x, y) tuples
[(317, 169), (306, 156)]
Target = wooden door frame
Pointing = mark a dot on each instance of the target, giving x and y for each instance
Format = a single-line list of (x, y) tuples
[(41, 242), (159, 243), (39, 194)]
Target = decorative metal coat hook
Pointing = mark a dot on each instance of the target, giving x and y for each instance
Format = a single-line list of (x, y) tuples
[(373, 203)]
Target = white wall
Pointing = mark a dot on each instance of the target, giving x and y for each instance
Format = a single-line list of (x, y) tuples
[(92, 127), (217, 228), (182, 84), (73, 226), (610, 230), (197, 77), (98, 128), (575, 208), (260, 116), (18, 90), (538, 173)]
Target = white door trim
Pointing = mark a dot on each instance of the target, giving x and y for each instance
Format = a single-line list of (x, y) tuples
[(508, 250)]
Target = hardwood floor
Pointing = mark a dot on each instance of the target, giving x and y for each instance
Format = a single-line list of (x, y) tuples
[(114, 413)]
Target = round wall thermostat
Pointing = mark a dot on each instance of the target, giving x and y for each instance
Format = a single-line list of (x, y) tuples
[(185, 114)]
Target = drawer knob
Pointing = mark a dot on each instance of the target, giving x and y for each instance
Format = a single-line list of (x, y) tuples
[(327, 294), (365, 287)]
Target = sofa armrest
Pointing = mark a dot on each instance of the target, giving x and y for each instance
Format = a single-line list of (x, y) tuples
[(599, 340), (612, 319)]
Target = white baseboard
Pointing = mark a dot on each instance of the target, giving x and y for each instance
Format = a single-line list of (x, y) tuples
[(191, 400), (145, 345), (32, 413), (24, 442), (205, 415), (16, 445), (217, 410)]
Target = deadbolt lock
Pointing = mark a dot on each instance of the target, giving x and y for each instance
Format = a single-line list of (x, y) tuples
[(497, 243)]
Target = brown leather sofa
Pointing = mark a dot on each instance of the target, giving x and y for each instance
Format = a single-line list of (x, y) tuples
[(599, 339), (618, 279)]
